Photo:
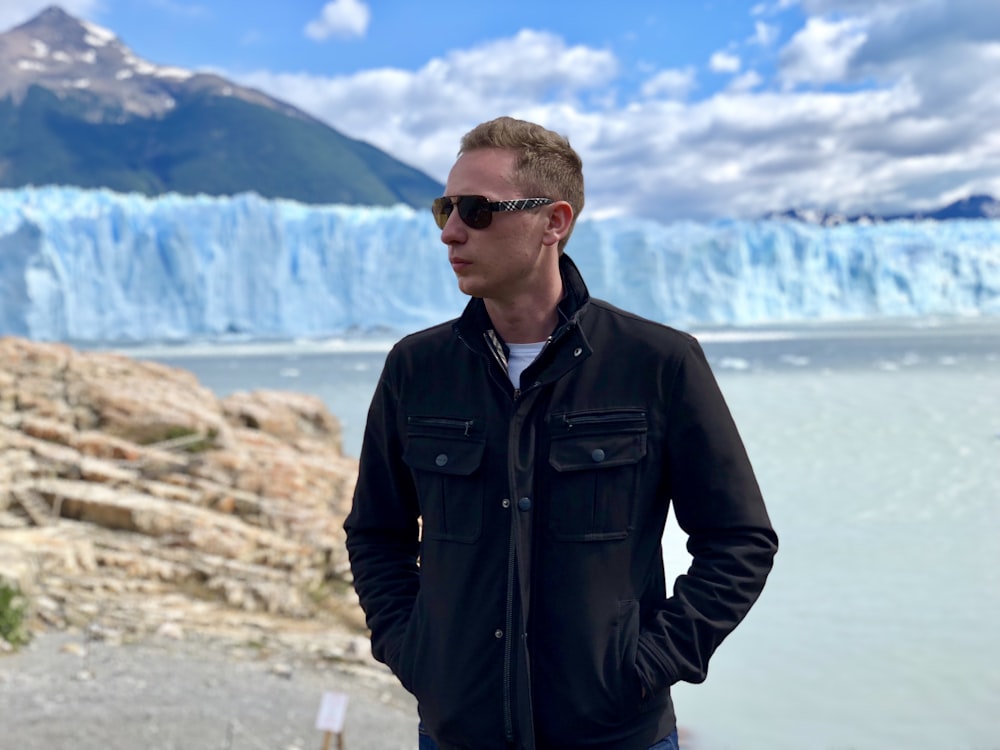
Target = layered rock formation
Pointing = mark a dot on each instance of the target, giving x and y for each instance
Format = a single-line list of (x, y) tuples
[(133, 501)]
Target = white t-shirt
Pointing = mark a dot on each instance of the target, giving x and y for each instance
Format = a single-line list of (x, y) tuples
[(521, 355)]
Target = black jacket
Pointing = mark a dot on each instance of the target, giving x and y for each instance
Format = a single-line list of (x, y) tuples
[(534, 612)]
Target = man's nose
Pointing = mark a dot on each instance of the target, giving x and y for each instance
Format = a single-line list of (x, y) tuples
[(454, 229)]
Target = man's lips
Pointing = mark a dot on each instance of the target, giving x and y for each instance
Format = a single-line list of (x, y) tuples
[(457, 264)]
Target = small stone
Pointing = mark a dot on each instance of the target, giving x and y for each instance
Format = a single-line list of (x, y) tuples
[(74, 648), (171, 630), (358, 649), (47, 603)]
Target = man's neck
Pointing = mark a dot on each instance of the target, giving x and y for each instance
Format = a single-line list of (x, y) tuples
[(526, 321)]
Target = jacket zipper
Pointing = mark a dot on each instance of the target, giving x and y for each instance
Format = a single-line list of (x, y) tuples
[(518, 391), (453, 424), (586, 419)]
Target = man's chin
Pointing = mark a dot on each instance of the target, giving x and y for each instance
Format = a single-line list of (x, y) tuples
[(469, 287)]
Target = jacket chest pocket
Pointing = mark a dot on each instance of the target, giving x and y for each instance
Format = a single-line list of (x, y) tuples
[(444, 455), (596, 455)]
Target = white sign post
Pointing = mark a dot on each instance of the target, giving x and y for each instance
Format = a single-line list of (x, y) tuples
[(330, 719)]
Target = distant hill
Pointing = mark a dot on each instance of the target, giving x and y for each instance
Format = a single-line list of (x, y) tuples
[(973, 207), (78, 107)]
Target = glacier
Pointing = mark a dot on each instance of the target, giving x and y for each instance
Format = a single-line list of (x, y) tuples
[(95, 266)]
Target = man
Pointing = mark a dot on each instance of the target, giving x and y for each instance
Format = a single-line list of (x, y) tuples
[(515, 476)]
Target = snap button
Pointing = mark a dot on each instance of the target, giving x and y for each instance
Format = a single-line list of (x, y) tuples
[(524, 504), (577, 352), (505, 502), (442, 459), (498, 633), (597, 455)]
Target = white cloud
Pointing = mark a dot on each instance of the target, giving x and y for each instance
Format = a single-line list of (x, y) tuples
[(340, 18), (529, 65), (910, 134), (821, 52), (724, 62), (675, 83), (765, 34), (419, 116), (746, 82)]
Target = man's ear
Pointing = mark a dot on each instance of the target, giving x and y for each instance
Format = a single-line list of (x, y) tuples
[(560, 222)]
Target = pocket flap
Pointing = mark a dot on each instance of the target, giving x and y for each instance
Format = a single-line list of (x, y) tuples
[(590, 452), (455, 456)]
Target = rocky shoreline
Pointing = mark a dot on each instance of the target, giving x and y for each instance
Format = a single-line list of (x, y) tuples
[(138, 508)]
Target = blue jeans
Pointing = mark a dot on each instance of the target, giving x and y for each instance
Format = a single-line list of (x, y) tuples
[(667, 743)]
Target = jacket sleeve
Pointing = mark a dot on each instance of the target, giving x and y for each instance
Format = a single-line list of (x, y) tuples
[(718, 504), (382, 528)]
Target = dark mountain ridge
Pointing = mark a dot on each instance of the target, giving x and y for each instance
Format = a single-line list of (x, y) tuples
[(78, 107), (973, 207)]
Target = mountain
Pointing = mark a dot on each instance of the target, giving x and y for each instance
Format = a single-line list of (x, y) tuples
[(95, 266), (973, 207), (78, 107)]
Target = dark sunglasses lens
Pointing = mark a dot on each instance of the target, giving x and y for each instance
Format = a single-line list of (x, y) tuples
[(474, 210), (441, 208)]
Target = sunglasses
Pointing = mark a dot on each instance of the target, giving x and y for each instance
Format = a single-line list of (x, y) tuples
[(476, 211)]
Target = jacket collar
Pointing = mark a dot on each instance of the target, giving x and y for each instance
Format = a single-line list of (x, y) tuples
[(476, 329), (574, 302)]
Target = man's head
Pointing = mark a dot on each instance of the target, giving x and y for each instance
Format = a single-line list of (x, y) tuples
[(506, 213), (545, 164)]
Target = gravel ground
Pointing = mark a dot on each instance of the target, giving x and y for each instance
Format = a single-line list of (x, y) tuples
[(62, 691)]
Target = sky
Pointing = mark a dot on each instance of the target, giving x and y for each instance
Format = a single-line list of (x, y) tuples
[(681, 109)]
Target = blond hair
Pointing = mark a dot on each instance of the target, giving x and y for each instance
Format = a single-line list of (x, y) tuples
[(546, 166)]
